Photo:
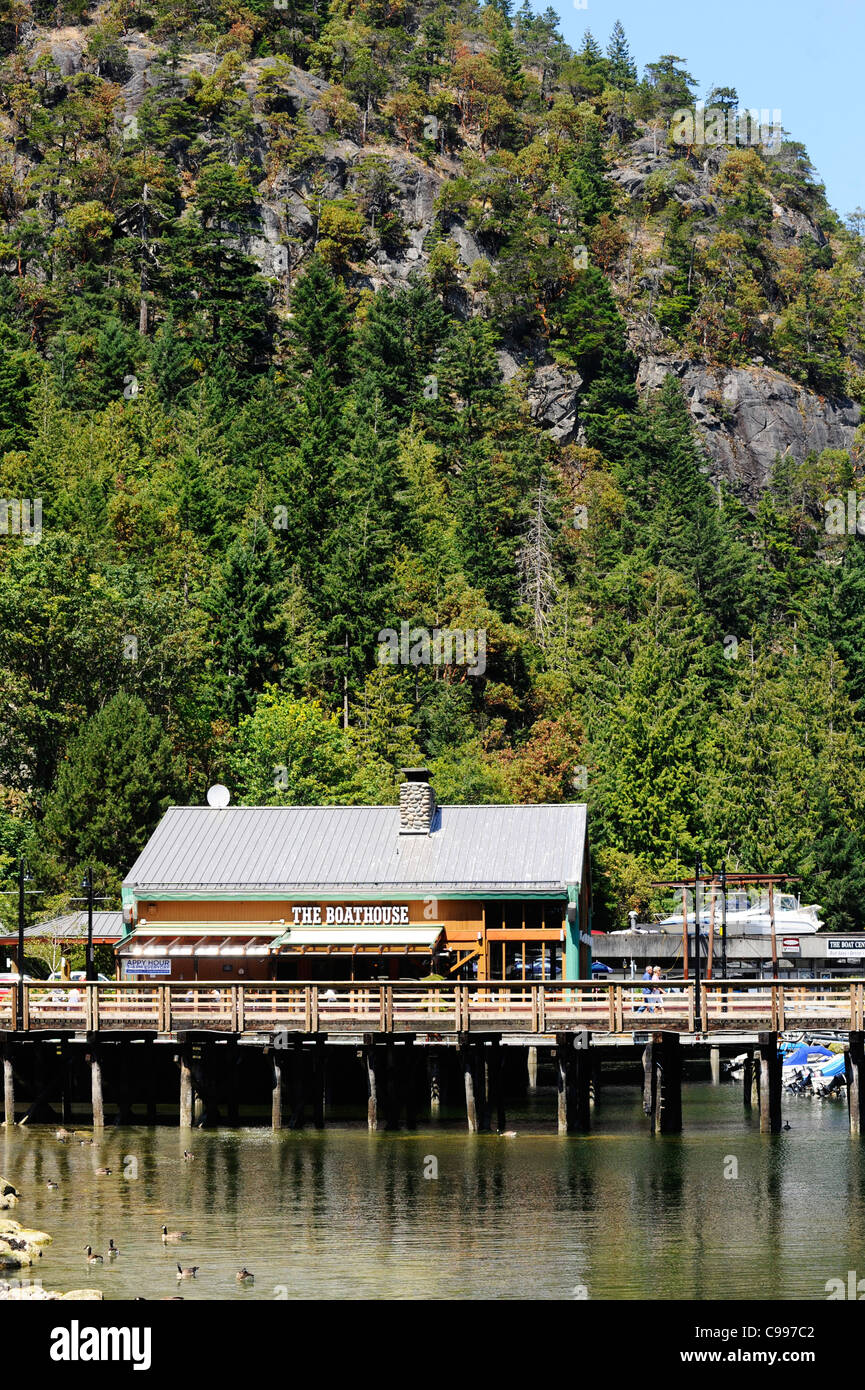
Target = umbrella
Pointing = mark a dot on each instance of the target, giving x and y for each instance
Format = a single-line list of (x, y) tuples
[(598, 968)]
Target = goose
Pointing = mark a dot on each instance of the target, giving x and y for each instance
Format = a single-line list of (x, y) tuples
[(52, 1185), (113, 1252), (243, 1276), (188, 1156), (187, 1271), (91, 1258), (173, 1235), (787, 1124), (103, 1172)]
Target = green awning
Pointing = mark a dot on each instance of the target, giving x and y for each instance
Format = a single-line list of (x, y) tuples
[(395, 939)]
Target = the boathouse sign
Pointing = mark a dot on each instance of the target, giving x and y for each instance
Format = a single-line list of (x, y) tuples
[(348, 915)]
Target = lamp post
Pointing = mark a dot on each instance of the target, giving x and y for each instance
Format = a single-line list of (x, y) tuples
[(698, 1020), (723, 921), (87, 885), (23, 877)]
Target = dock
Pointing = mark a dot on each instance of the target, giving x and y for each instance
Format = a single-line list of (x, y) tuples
[(469, 1025)]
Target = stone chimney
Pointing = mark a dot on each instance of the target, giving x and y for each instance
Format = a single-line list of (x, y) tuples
[(417, 802)]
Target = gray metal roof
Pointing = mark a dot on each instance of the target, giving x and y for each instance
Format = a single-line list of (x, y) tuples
[(106, 925), (304, 849)]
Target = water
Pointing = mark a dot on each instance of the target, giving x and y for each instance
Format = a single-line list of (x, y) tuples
[(345, 1214)]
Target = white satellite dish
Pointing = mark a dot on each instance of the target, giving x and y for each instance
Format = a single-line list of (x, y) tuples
[(218, 796)]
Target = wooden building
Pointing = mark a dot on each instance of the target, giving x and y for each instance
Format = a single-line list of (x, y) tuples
[(361, 892)]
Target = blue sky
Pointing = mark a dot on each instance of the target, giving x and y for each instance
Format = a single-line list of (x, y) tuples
[(804, 56)]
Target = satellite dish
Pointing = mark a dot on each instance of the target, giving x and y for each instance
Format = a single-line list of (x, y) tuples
[(218, 796)]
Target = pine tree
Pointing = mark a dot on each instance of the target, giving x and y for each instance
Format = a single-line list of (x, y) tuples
[(246, 625), (117, 778), (622, 68)]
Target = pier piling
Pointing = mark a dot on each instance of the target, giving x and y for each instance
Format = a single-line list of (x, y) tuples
[(8, 1087), (185, 1060), (662, 1083), (467, 1057), (276, 1080), (770, 1084), (96, 1088), (854, 1066), (372, 1080)]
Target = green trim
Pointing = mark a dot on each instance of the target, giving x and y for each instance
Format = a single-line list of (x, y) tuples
[(346, 895)]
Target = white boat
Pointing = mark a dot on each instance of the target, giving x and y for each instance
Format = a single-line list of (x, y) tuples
[(749, 916)]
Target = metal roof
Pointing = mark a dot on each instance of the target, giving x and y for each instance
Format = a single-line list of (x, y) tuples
[(107, 926), (323, 849)]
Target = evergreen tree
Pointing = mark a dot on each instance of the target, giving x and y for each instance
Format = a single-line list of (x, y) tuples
[(622, 69), (117, 778)]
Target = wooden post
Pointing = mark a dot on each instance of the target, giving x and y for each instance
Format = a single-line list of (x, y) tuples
[(65, 1082), (533, 1068), (276, 1078), (434, 1082), (232, 1064), (566, 1081), (583, 1062), (467, 1059), (755, 1081), (124, 1107), (772, 927), (96, 1087), (408, 1083), (854, 1066), (595, 1092), (8, 1087), (185, 1087), (711, 936), (748, 1080), (319, 1063), (770, 1084), (150, 1081), (298, 1087), (371, 1061), (495, 1090), (392, 1086), (670, 1084), (650, 1085), (715, 1065)]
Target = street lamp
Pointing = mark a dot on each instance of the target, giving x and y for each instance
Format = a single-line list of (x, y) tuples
[(698, 1022)]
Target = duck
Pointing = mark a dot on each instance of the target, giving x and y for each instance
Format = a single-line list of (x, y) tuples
[(52, 1185), (188, 1157), (507, 1134), (113, 1251), (103, 1172), (62, 1136), (172, 1235), (91, 1258), (243, 1276), (187, 1271), (787, 1124)]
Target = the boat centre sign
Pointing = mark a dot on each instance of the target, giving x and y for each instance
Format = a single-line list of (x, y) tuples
[(850, 945)]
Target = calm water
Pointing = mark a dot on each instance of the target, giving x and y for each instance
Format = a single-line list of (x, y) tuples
[(345, 1214)]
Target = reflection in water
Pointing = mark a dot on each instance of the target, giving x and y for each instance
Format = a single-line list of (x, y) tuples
[(346, 1214)]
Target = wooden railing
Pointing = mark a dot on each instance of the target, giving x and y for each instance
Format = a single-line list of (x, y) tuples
[(515, 1006)]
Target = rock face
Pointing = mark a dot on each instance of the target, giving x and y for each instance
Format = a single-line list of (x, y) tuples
[(747, 416)]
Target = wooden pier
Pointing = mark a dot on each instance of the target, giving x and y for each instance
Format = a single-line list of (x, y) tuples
[(208, 1026)]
